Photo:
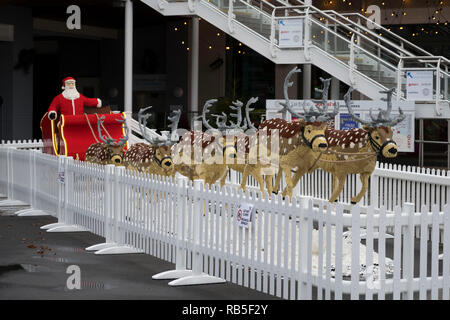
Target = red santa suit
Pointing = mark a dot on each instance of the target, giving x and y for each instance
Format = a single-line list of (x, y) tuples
[(74, 106), (71, 102)]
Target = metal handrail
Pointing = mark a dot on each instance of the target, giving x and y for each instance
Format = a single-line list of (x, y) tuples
[(357, 26), (402, 40), (393, 34)]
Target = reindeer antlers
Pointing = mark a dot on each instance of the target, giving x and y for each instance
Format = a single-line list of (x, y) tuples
[(174, 120), (109, 141), (323, 115), (208, 104), (142, 120), (384, 117), (247, 112), (287, 105)]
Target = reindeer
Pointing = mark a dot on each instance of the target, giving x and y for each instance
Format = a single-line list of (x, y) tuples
[(155, 157), (248, 161), (108, 151), (204, 155), (356, 150), (299, 140)]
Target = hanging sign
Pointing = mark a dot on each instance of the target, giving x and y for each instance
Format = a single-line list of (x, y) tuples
[(61, 177), (419, 85), (244, 214), (290, 33)]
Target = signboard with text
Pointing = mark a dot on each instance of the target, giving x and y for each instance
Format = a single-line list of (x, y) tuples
[(419, 85), (244, 215), (290, 33)]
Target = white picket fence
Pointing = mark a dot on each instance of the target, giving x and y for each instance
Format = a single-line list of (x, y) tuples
[(307, 249), (390, 185), (23, 144)]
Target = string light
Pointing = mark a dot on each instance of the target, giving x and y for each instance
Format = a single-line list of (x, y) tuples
[(210, 47), (228, 48), (182, 42), (185, 23), (401, 28), (187, 48), (218, 34), (176, 29)]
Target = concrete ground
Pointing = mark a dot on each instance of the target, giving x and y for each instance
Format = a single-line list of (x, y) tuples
[(33, 265)]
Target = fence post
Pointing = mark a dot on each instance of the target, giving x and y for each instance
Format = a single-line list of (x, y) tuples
[(181, 250), (408, 252), (303, 249), (116, 191), (109, 182), (10, 182), (197, 277), (66, 190), (59, 216), (374, 179), (33, 211)]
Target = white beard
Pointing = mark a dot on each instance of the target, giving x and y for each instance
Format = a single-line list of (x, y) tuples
[(71, 94)]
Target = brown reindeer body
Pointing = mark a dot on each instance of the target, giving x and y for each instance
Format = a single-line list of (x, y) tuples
[(250, 163), (197, 154), (108, 152), (150, 159), (101, 153), (355, 151), (297, 142)]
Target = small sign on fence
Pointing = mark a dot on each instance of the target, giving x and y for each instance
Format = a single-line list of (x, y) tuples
[(244, 214), (61, 177)]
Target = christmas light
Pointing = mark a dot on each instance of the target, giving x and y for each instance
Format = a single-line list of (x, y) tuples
[(210, 47), (176, 29), (187, 49), (182, 42), (218, 34), (228, 48)]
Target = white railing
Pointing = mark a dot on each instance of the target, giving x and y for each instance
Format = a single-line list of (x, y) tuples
[(300, 250), (390, 185), (23, 144)]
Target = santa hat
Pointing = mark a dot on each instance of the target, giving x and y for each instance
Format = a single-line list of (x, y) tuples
[(64, 82)]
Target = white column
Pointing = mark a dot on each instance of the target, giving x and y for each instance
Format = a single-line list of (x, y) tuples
[(307, 71), (334, 88), (128, 99), (306, 81), (194, 65)]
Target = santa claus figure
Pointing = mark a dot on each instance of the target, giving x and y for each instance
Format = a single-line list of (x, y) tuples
[(70, 101)]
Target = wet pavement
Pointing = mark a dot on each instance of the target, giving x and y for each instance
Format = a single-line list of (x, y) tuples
[(33, 265)]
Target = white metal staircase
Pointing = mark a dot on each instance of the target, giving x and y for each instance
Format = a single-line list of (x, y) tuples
[(369, 59)]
